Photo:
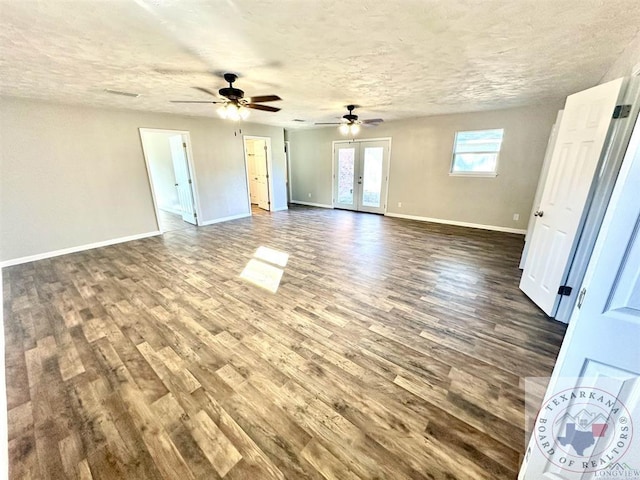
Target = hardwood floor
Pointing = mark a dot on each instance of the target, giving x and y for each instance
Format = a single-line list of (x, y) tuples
[(392, 350), (170, 221)]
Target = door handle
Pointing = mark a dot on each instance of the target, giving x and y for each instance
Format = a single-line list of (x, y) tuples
[(176, 184), (538, 213), (359, 183)]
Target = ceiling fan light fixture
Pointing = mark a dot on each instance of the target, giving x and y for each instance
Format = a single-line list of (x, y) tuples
[(233, 112), (354, 128), (344, 129)]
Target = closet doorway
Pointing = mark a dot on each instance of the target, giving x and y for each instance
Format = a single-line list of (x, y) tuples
[(257, 154)]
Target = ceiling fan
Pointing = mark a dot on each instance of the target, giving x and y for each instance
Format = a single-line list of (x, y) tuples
[(233, 104), (350, 122)]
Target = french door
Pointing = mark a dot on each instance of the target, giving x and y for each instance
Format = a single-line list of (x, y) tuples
[(361, 175)]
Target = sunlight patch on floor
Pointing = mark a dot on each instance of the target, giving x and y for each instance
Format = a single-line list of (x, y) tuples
[(272, 256), (264, 269)]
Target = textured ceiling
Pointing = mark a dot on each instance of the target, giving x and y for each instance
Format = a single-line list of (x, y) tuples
[(396, 58)]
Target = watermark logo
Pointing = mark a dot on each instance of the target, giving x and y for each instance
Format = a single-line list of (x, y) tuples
[(618, 470), (585, 429)]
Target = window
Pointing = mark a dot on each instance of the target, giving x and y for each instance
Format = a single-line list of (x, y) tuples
[(476, 152)]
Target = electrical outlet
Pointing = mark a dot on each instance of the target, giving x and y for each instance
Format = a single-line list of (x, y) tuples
[(309, 195), (399, 204), (516, 216)]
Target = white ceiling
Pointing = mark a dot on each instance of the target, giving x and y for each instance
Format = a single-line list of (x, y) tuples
[(396, 58)]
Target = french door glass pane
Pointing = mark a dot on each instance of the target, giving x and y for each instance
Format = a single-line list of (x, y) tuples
[(346, 165), (372, 176)]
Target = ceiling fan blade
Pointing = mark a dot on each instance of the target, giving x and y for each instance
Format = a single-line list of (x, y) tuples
[(193, 101), (328, 123), (266, 108), (373, 120), (265, 98), (206, 91)]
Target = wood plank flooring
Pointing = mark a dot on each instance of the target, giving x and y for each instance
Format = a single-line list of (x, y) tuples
[(392, 350), (170, 221)]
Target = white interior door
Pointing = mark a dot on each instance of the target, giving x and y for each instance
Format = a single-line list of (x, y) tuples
[(262, 182), (360, 171), (581, 136), (253, 177), (598, 436), (184, 183), (546, 163)]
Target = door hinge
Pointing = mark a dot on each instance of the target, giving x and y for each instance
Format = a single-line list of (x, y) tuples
[(190, 182), (184, 145), (622, 111), (564, 290), (583, 292), (195, 215)]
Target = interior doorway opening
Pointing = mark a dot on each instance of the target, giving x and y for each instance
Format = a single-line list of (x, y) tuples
[(257, 154), (168, 158)]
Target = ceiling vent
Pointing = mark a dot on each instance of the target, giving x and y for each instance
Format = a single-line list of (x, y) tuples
[(124, 94)]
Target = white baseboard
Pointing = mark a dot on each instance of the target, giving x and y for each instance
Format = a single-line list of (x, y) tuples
[(79, 248), (309, 204), (224, 219), (495, 228)]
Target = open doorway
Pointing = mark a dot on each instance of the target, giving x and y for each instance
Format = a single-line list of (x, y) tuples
[(257, 154), (167, 154)]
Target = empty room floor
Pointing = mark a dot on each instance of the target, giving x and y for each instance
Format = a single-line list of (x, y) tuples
[(392, 350)]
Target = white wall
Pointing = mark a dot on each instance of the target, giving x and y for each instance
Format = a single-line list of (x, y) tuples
[(161, 165), (72, 176), (421, 159)]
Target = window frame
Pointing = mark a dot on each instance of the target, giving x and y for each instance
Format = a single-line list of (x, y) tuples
[(493, 174)]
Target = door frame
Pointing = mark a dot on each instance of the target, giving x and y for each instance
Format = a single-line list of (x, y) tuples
[(287, 157), (333, 168), (269, 168), (190, 165)]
